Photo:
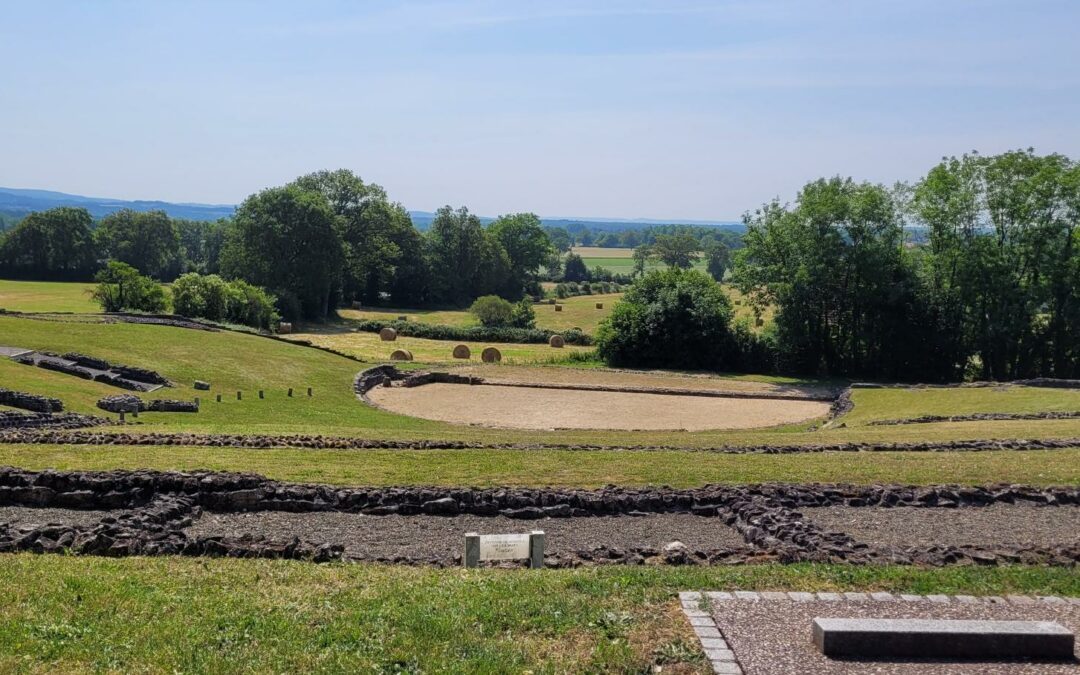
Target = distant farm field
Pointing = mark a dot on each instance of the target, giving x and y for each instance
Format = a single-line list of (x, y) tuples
[(577, 312), (618, 260)]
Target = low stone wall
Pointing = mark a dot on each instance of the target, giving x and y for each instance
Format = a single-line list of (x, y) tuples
[(19, 420), (31, 402), (160, 504), (129, 403), (262, 441), (980, 417)]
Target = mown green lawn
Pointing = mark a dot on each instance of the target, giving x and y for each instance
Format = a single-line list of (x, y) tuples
[(566, 468), (68, 614), (46, 296)]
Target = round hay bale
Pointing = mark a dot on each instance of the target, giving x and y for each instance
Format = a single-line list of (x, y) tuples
[(401, 355), (356, 304), (403, 318), (558, 308), (284, 327), (557, 341), (490, 355), (462, 352), (599, 305), (388, 334)]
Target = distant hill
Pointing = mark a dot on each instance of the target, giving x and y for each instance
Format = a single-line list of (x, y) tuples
[(16, 203)]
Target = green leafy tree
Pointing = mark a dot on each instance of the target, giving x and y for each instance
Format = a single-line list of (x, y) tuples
[(200, 244), (1002, 250), (491, 310), (847, 296), (717, 260), (284, 239), (641, 256), (148, 241), (465, 261), (672, 318), (121, 288), (526, 244), (574, 268), (676, 250), (560, 239), (376, 234), (50, 245)]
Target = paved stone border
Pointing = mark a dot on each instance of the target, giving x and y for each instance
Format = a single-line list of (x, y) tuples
[(716, 648), (696, 606)]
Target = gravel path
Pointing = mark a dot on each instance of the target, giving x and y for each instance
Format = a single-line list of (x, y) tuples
[(25, 515), (438, 536), (523, 408), (774, 637), (985, 525)]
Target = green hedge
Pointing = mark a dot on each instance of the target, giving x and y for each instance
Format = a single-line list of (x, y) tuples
[(474, 333)]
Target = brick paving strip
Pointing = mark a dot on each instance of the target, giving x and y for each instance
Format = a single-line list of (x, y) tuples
[(697, 606)]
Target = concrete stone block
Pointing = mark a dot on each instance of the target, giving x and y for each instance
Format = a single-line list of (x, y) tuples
[(935, 638)]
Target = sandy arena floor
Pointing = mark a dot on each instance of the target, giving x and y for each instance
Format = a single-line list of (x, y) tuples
[(524, 408), (633, 378)]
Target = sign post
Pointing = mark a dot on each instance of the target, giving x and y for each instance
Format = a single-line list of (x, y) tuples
[(481, 547)]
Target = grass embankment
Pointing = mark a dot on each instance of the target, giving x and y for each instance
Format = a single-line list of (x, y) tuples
[(185, 615), (47, 296), (237, 361), (565, 468)]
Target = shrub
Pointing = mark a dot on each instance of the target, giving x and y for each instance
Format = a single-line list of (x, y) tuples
[(211, 297), (523, 315), (491, 310), (252, 306), (121, 287), (673, 318)]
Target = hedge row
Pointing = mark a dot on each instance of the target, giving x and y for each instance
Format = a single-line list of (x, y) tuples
[(474, 333)]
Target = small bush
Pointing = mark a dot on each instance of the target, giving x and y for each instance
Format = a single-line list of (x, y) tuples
[(211, 297), (523, 315), (491, 310), (670, 319), (121, 288)]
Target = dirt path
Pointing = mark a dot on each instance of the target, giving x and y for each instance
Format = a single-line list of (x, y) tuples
[(525, 408)]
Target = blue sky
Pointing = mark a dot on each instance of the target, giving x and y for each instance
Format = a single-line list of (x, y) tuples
[(657, 109)]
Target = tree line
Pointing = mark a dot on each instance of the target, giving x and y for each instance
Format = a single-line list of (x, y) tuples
[(993, 294), (326, 238)]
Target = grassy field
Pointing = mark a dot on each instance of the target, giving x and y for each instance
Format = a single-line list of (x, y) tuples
[(578, 312), (68, 614), (209, 616), (46, 296), (618, 260), (370, 347), (566, 468)]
